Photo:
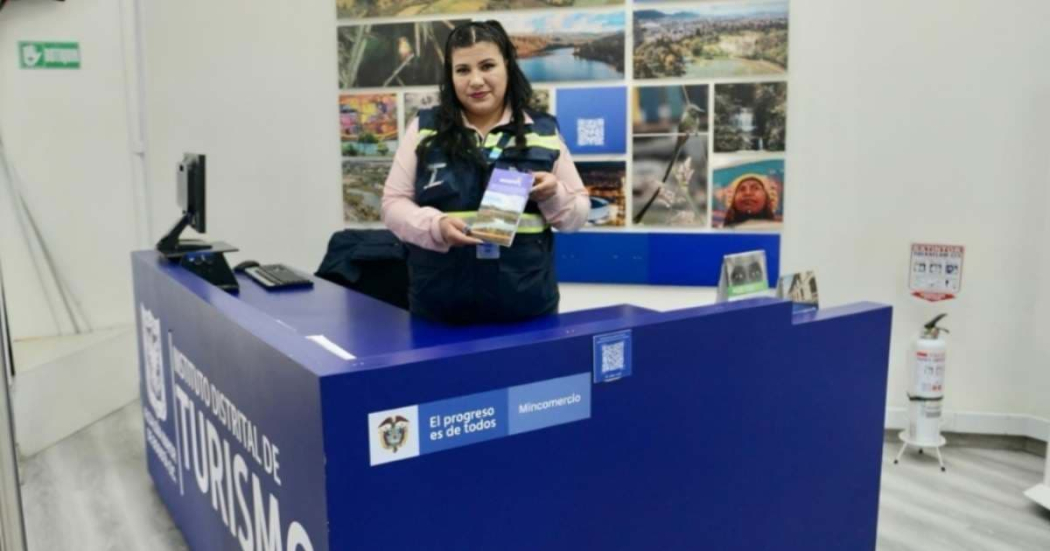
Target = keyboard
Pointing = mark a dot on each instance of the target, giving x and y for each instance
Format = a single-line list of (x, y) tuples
[(278, 276)]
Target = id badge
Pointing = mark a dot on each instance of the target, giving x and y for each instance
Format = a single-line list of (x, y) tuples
[(488, 251)]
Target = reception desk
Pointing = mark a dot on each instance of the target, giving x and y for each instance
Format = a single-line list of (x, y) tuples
[(322, 419)]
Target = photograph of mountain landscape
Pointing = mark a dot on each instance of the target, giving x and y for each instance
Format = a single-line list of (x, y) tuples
[(396, 54), (711, 41), (353, 9), (564, 45)]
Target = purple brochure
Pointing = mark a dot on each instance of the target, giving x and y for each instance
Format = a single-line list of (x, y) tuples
[(501, 207)]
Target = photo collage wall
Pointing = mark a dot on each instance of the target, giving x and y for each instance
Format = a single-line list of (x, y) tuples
[(675, 112)]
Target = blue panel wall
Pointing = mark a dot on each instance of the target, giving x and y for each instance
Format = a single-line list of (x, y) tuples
[(657, 258)]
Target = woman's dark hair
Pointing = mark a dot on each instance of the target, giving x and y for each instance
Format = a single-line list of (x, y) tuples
[(454, 139)]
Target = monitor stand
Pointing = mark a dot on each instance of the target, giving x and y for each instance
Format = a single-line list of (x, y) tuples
[(207, 260), (172, 247), (211, 266)]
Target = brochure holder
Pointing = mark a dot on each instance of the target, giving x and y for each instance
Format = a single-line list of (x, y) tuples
[(744, 275)]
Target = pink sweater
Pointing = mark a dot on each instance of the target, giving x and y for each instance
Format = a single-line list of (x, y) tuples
[(567, 210)]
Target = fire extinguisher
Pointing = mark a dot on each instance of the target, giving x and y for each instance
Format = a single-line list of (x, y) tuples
[(926, 388), (927, 362)]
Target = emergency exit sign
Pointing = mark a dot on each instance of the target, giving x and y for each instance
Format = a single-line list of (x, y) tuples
[(49, 55)]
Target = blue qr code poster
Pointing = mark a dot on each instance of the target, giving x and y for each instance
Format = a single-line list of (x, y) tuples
[(612, 356)]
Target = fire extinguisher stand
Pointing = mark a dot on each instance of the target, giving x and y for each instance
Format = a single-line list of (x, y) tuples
[(909, 440), (926, 393)]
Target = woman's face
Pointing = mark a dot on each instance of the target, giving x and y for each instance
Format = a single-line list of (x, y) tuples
[(750, 197), (479, 75)]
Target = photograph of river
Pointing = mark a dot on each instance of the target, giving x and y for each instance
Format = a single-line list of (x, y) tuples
[(352, 9), (712, 41), (557, 47), (363, 189)]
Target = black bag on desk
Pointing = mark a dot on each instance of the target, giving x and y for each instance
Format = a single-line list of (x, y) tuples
[(370, 262)]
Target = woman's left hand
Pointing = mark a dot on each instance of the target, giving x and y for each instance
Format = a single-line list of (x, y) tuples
[(544, 186)]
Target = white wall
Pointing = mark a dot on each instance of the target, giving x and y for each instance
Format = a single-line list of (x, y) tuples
[(926, 121), (253, 86), (1038, 387), (65, 135)]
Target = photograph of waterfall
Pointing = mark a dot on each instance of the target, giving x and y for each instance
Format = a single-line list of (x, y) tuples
[(750, 117)]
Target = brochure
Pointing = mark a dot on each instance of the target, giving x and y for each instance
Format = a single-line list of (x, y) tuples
[(743, 276), (501, 207), (800, 289)]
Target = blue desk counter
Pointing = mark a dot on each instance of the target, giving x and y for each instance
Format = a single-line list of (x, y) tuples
[(734, 426)]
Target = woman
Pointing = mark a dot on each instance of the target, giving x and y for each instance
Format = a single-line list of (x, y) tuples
[(439, 175), (752, 198)]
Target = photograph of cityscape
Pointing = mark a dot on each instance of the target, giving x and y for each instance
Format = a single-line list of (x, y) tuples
[(605, 181), (711, 41), (363, 189), (368, 124), (568, 45), (353, 9)]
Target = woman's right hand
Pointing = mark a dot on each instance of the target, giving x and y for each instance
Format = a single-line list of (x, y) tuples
[(454, 231)]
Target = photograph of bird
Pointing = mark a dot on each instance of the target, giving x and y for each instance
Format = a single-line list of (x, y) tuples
[(688, 126), (404, 49)]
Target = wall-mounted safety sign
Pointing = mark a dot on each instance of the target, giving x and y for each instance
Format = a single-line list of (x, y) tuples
[(935, 271), (49, 55)]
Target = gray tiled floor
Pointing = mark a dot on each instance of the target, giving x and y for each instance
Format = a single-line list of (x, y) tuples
[(91, 492)]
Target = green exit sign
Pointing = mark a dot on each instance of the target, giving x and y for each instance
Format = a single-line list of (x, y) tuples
[(49, 55)]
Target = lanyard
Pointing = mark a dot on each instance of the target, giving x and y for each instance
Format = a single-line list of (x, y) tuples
[(497, 150)]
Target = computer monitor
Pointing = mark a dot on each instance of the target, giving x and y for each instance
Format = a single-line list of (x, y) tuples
[(190, 192), (191, 189)]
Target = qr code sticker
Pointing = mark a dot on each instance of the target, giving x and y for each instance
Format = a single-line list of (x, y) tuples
[(590, 132), (612, 357)]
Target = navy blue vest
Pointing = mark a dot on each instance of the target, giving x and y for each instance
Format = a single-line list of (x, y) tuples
[(457, 287)]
